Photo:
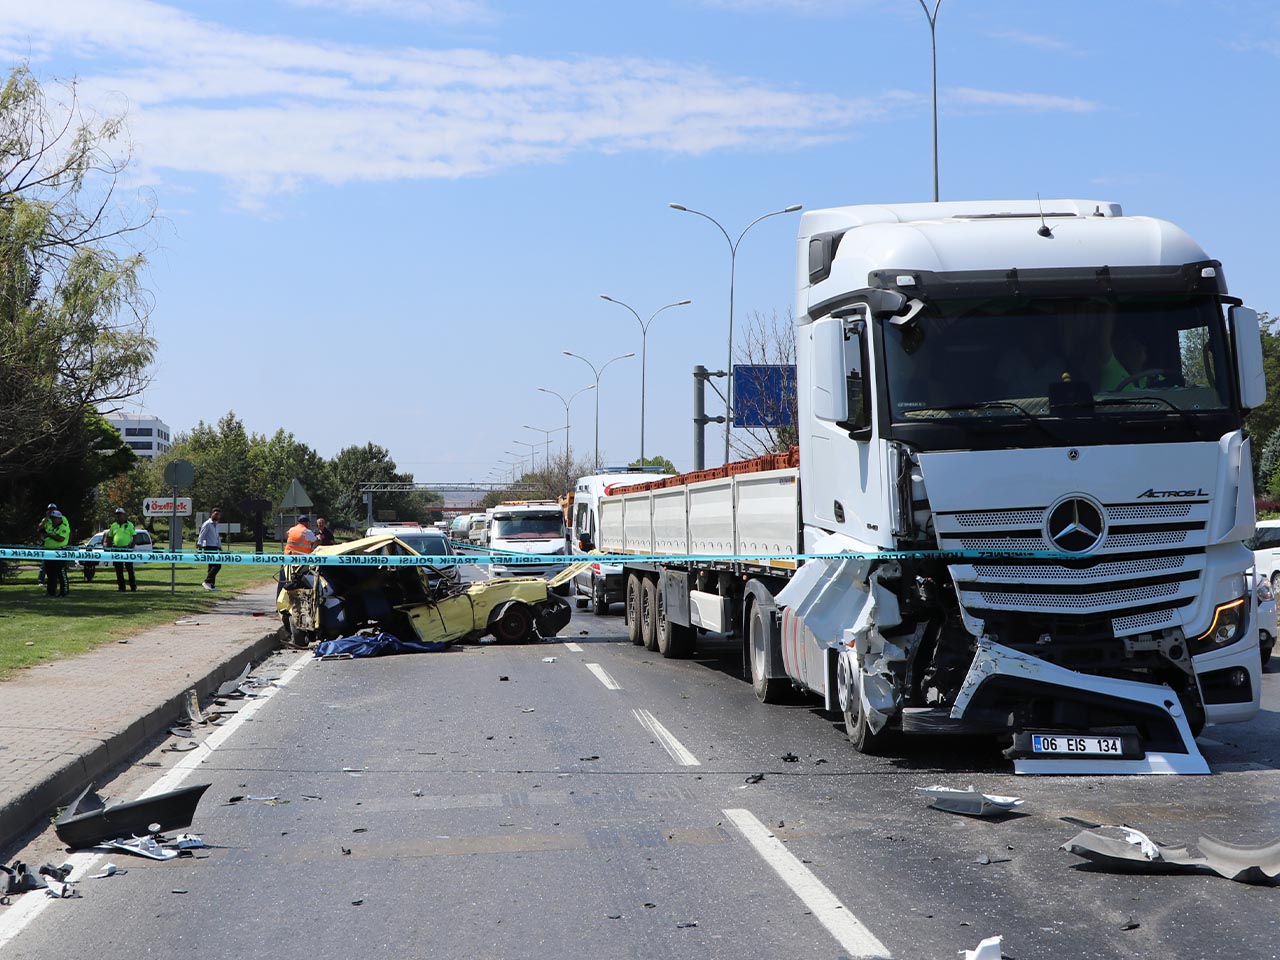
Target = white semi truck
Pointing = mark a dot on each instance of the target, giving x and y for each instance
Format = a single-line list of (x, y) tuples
[(1021, 461)]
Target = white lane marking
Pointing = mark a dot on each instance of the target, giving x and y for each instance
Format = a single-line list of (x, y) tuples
[(572, 647), (848, 930), (30, 905), (602, 676), (668, 741)]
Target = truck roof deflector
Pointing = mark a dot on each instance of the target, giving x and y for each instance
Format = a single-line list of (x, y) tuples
[(994, 660)]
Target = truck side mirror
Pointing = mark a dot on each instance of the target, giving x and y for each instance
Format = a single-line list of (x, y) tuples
[(1247, 338), (857, 384)]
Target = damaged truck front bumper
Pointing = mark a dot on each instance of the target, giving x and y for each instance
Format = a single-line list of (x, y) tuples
[(1105, 725)]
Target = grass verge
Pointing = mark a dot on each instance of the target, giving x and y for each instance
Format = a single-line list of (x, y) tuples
[(35, 628)]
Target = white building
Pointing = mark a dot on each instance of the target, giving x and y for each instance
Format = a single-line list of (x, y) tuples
[(148, 436)]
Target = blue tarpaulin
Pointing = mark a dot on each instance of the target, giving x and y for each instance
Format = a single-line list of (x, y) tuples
[(376, 645)]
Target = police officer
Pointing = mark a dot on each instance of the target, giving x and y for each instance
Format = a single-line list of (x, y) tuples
[(121, 537), (57, 534)]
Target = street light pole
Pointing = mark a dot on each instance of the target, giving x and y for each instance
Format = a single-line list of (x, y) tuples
[(547, 434), (532, 454), (566, 413), (644, 352), (733, 261), (933, 42), (598, 374)]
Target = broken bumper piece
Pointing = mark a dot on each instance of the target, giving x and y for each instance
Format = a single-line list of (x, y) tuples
[(1003, 679), (1134, 852), (89, 822)]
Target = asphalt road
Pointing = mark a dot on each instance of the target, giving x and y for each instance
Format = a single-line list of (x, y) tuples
[(576, 811)]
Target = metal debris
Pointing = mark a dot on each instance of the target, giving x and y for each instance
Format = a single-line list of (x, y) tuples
[(1134, 852), (232, 687), (969, 802), (988, 949), (142, 847), (89, 821)]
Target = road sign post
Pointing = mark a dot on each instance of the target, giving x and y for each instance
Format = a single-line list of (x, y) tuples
[(178, 474)]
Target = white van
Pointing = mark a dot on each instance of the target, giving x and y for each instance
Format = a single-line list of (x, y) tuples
[(529, 527), (602, 584)]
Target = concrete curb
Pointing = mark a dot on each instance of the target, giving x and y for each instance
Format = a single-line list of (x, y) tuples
[(92, 758)]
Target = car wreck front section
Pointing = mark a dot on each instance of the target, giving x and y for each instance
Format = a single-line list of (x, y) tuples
[(1050, 410)]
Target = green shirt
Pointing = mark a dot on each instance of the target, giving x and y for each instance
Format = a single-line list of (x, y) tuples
[(122, 534), (57, 533)]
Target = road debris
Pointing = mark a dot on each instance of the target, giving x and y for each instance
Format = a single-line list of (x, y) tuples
[(754, 778), (109, 870), (88, 821), (969, 802), (232, 687), (60, 889), (686, 924), (548, 659), (985, 859), (504, 679), (186, 622), (181, 746), (988, 949), (142, 847), (1130, 924), (20, 878), (1134, 852), (789, 758)]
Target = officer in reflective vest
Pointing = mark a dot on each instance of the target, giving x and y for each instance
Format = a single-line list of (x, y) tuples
[(121, 537), (300, 539), (57, 533)]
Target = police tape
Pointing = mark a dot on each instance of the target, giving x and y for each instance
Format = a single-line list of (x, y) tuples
[(228, 558)]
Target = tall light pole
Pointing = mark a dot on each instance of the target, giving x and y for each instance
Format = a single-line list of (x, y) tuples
[(512, 464), (598, 374), (547, 434), (733, 258), (566, 403), (532, 452), (644, 354), (933, 42)]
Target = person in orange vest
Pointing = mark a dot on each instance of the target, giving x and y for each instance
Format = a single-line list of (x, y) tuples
[(300, 539)]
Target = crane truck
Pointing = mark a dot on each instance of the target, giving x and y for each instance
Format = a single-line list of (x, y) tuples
[(1019, 501)]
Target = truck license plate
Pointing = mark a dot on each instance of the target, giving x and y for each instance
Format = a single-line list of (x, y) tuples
[(1087, 746)]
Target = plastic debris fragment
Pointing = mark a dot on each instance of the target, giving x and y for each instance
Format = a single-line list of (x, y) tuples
[(142, 847), (988, 949), (969, 802), (1134, 852)]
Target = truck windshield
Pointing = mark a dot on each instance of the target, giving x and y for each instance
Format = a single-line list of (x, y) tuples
[(529, 526), (1017, 357)]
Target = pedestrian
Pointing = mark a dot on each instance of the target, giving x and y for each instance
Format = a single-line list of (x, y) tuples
[(207, 541), (300, 539), (121, 537), (40, 536), (324, 533), (57, 534)]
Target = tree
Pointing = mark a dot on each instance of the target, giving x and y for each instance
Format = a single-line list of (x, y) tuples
[(662, 463), (73, 314), (1263, 421), (769, 341), (372, 463)]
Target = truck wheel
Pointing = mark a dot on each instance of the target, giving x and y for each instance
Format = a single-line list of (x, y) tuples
[(515, 624), (768, 689), (864, 739), (632, 609), (674, 640), (579, 600), (649, 613), (599, 599)]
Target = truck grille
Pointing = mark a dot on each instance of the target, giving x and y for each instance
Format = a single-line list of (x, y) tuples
[(1150, 562)]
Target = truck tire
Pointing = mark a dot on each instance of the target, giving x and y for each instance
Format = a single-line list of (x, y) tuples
[(864, 739), (599, 599), (767, 689), (649, 613), (675, 641), (632, 609)]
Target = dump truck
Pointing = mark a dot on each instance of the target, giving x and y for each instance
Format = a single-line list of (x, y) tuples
[(1019, 501)]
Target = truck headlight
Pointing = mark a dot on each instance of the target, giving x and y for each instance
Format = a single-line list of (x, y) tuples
[(1227, 627)]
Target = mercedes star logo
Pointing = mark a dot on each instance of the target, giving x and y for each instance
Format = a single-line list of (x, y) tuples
[(1075, 525)]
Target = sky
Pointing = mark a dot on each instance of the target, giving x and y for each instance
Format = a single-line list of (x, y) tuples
[(412, 207)]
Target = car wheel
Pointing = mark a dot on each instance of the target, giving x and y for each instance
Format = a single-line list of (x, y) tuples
[(515, 624), (599, 599), (649, 613), (632, 609)]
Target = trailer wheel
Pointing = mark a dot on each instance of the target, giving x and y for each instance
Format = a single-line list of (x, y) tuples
[(632, 609), (599, 599), (674, 640), (515, 624), (768, 689), (649, 613), (864, 739)]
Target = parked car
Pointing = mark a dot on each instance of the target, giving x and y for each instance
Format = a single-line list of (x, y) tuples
[(1266, 596), (1265, 544), (141, 544)]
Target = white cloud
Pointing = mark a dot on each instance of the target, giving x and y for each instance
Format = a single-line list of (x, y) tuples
[(448, 11), (272, 113), (1038, 40), (1035, 102)]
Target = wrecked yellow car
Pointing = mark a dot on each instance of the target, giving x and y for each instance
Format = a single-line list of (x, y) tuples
[(326, 601)]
